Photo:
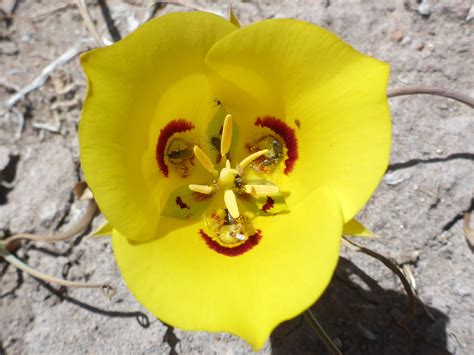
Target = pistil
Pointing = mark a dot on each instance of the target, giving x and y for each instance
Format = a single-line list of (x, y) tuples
[(226, 177)]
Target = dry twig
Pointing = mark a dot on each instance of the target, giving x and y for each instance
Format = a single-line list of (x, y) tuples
[(52, 10), (184, 4), (78, 228), (468, 232), (108, 289), (427, 90), (406, 284), (321, 333), (86, 17), (44, 75)]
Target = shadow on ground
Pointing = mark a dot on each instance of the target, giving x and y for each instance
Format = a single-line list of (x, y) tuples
[(363, 318)]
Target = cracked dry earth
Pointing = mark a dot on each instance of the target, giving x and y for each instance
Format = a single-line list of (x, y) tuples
[(417, 209)]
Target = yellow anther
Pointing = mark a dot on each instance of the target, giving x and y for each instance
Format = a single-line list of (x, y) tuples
[(226, 139), (202, 189), (250, 158), (204, 160), (231, 203), (261, 190)]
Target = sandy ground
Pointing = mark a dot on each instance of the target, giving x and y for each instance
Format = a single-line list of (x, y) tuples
[(417, 209)]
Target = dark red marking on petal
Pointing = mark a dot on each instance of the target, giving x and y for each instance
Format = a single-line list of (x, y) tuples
[(174, 126), (268, 205), (252, 241), (298, 124), (287, 134), (181, 203)]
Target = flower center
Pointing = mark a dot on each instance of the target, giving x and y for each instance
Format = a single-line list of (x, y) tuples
[(230, 228)]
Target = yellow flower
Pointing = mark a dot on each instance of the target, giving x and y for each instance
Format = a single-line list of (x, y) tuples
[(228, 160)]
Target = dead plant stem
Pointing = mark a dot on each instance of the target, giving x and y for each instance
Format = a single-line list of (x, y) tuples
[(429, 90), (321, 333), (78, 228), (86, 17)]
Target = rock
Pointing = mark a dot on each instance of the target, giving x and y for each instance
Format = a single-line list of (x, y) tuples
[(4, 157), (424, 9), (470, 14), (397, 35), (41, 195), (396, 178), (408, 257), (9, 48), (444, 237), (418, 44), (366, 333), (8, 6), (406, 40)]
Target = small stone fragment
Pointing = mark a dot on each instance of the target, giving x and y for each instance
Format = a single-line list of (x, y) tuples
[(397, 35), (470, 14), (444, 237), (396, 178), (418, 44), (424, 9), (367, 333), (408, 257), (406, 40), (9, 48), (4, 157)]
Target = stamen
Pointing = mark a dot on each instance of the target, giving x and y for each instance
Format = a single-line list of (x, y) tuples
[(202, 189), (226, 139), (231, 203), (204, 160), (261, 190), (241, 166)]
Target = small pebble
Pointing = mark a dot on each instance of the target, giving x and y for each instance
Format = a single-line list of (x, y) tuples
[(397, 35), (367, 333), (461, 290), (406, 40), (418, 44), (4, 157), (424, 9), (444, 237), (470, 14), (396, 178)]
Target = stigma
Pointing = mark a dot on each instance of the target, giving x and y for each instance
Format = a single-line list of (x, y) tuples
[(230, 227), (229, 179)]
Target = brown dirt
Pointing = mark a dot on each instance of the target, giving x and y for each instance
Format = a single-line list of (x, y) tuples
[(416, 209)]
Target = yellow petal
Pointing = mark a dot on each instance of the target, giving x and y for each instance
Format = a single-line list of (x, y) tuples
[(332, 96), (186, 284), (357, 229), (135, 87), (104, 230), (183, 203)]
